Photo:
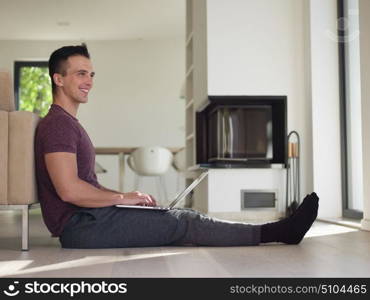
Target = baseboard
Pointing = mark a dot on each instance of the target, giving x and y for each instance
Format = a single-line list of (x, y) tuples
[(365, 224), (256, 216)]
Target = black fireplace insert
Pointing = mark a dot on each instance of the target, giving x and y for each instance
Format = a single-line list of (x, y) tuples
[(242, 131)]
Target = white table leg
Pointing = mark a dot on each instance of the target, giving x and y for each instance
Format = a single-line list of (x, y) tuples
[(121, 174), (25, 227)]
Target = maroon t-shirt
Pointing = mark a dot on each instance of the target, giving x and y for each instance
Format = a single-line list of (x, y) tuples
[(59, 131)]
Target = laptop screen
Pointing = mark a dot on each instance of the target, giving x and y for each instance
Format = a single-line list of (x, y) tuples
[(185, 192)]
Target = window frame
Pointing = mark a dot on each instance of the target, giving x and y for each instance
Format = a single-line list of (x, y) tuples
[(17, 68), (346, 211)]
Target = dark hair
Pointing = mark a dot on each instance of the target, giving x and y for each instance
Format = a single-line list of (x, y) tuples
[(59, 57)]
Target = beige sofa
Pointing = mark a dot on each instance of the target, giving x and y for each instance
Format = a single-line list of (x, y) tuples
[(17, 167)]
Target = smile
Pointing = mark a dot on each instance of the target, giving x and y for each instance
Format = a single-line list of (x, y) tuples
[(85, 91)]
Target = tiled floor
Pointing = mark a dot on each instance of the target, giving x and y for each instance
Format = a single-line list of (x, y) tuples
[(327, 251)]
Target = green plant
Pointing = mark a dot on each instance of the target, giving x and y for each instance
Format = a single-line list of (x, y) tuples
[(35, 90)]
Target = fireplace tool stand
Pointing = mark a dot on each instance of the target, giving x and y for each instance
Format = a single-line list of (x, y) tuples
[(293, 174)]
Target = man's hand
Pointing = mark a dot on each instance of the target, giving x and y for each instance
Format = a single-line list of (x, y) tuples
[(137, 198)]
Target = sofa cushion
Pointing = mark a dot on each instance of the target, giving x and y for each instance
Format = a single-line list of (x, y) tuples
[(21, 167), (3, 157), (6, 92)]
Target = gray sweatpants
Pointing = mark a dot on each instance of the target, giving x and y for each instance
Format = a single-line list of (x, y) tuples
[(113, 227)]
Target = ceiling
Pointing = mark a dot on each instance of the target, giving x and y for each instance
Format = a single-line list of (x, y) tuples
[(91, 19)]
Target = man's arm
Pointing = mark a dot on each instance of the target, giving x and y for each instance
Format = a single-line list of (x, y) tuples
[(62, 169), (108, 190)]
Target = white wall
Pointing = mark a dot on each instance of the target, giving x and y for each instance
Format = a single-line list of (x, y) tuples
[(285, 47), (257, 48), (135, 100), (364, 10), (325, 106), (353, 108)]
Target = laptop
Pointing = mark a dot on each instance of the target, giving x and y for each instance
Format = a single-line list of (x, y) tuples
[(177, 199)]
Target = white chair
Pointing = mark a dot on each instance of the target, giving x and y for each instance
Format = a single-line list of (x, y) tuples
[(151, 161), (99, 168), (179, 160), (179, 164)]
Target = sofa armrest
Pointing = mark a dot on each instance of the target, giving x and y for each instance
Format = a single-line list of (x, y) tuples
[(22, 187), (3, 157)]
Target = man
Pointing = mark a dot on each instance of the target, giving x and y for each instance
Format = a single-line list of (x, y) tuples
[(82, 213)]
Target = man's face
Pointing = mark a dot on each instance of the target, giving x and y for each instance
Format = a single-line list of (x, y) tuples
[(78, 78)]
